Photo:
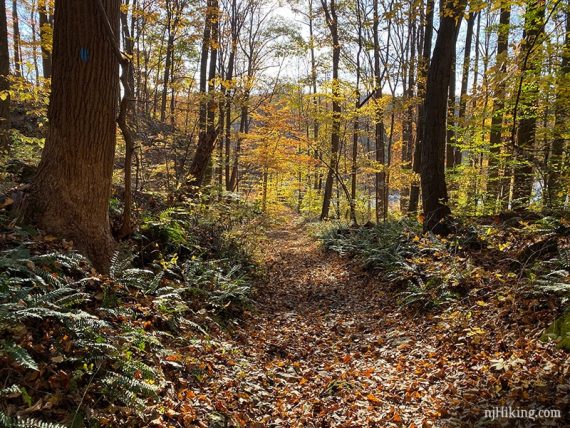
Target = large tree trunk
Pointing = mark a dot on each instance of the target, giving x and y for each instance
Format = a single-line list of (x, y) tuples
[(46, 32), (208, 133), (332, 23), (557, 183), (71, 191), (4, 81), (526, 106), (434, 189), (423, 65)]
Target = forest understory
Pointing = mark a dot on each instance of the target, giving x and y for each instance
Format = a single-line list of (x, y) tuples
[(324, 340)]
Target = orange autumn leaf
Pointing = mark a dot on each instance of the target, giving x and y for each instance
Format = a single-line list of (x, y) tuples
[(373, 399)]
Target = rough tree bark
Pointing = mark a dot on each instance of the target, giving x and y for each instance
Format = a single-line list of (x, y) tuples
[(71, 191), (434, 189)]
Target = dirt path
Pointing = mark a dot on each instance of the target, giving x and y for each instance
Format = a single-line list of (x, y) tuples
[(328, 346)]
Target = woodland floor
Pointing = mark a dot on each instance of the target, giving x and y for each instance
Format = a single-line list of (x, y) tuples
[(328, 345)]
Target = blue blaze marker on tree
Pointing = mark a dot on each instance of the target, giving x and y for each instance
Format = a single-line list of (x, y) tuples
[(84, 54)]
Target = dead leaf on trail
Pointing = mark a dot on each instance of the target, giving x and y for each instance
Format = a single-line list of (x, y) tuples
[(373, 399)]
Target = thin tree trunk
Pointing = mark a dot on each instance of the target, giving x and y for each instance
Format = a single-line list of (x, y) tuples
[(557, 184), (264, 192), (243, 129), (166, 78), (17, 49), (356, 134), (228, 95), (526, 105), (34, 42), (157, 80), (494, 183), (173, 93), (465, 82), (332, 23), (317, 152), (407, 126), (4, 81), (379, 122), (124, 120), (423, 66), (450, 134), (168, 60), (46, 31)]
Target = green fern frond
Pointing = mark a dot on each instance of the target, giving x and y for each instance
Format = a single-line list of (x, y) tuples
[(557, 282), (13, 390), (20, 422), (154, 284), (133, 366), (129, 390), (18, 354)]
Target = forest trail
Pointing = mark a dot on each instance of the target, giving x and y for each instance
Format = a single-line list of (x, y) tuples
[(327, 345)]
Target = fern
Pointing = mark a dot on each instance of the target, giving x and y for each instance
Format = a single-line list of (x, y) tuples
[(31, 292), (129, 390), (557, 283), (20, 422), (123, 273), (70, 261), (10, 391), (18, 354)]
